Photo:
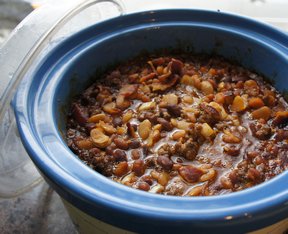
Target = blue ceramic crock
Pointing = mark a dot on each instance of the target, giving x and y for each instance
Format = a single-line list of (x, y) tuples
[(50, 82)]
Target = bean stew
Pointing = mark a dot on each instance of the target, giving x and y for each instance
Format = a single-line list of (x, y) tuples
[(181, 125)]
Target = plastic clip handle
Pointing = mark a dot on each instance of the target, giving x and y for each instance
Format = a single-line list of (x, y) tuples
[(40, 44), (18, 174), (80, 7)]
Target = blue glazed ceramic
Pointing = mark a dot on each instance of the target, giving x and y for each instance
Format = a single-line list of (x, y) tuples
[(66, 70)]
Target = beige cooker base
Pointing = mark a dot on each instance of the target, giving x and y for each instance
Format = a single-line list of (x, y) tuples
[(89, 225)]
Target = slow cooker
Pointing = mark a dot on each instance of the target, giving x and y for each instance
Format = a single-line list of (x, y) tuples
[(50, 82)]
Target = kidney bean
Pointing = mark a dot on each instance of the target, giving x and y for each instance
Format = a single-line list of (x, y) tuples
[(109, 149), (89, 127), (131, 129), (134, 144), (165, 162), (176, 66), (121, 169), (117, 121), (166, 125), (79, 114), (121, 143), (145, 150), (190, 174), (148, 179), (138, 167), (119, 155), (174, 110), (143, 186), (135, 154)]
